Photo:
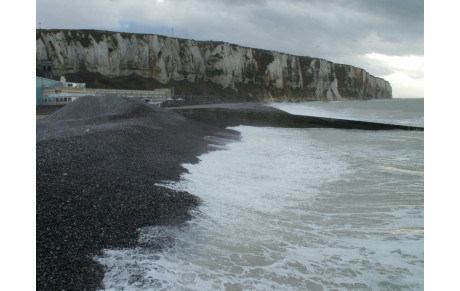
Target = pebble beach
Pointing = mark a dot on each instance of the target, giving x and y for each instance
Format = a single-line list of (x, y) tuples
[(97, 162)]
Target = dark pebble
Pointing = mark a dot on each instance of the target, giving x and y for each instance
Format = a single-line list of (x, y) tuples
[(95, 187)]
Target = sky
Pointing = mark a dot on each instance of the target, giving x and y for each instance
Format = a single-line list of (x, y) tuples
[(384, 37)]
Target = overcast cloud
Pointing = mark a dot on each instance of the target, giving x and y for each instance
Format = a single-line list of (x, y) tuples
[(385, 37)]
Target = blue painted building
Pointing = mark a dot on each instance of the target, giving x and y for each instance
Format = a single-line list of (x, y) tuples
[(41, 83)]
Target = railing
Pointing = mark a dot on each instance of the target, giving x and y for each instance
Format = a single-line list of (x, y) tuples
[(130, 92), (199, 98), (59, 93), (57, 90), (184, 100)]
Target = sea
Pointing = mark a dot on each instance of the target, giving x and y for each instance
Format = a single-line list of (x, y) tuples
[(295, 209)]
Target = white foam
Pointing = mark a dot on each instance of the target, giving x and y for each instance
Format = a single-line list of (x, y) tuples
[(260, 167), (290, 209)]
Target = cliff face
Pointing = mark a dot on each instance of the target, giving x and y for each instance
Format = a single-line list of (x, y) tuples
[(204, 67)]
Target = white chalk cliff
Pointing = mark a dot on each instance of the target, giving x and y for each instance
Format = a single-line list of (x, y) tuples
[(255, 73)]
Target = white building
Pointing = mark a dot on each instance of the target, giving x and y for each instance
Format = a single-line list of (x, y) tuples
[(71, 91), (71, 84)]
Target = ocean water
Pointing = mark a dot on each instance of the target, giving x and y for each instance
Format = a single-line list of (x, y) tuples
[(295, 209), (408, 111)]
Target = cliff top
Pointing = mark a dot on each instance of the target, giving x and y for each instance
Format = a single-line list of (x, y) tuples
[(98, 34)]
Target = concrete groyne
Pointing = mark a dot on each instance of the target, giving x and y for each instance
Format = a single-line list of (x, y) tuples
[(259, 115)]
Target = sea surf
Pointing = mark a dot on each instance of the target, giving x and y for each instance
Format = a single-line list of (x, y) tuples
[(295, 209)]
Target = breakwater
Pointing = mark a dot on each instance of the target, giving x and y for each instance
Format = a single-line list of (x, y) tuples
[(259, 115)]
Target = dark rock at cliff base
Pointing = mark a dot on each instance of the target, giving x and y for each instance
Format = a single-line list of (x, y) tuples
[(97, 162)]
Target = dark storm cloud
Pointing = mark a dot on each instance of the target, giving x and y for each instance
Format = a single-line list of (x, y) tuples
[(409, 11), (342, 31), (329, 29), (352, 26), (308, 27)]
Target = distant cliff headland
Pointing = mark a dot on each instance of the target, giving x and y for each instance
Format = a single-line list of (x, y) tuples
[(104, 59)]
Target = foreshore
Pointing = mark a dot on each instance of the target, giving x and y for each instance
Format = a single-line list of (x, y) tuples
[(97, 162)]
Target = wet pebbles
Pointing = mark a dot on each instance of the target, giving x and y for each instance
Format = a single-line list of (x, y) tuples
[(97, 160)]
